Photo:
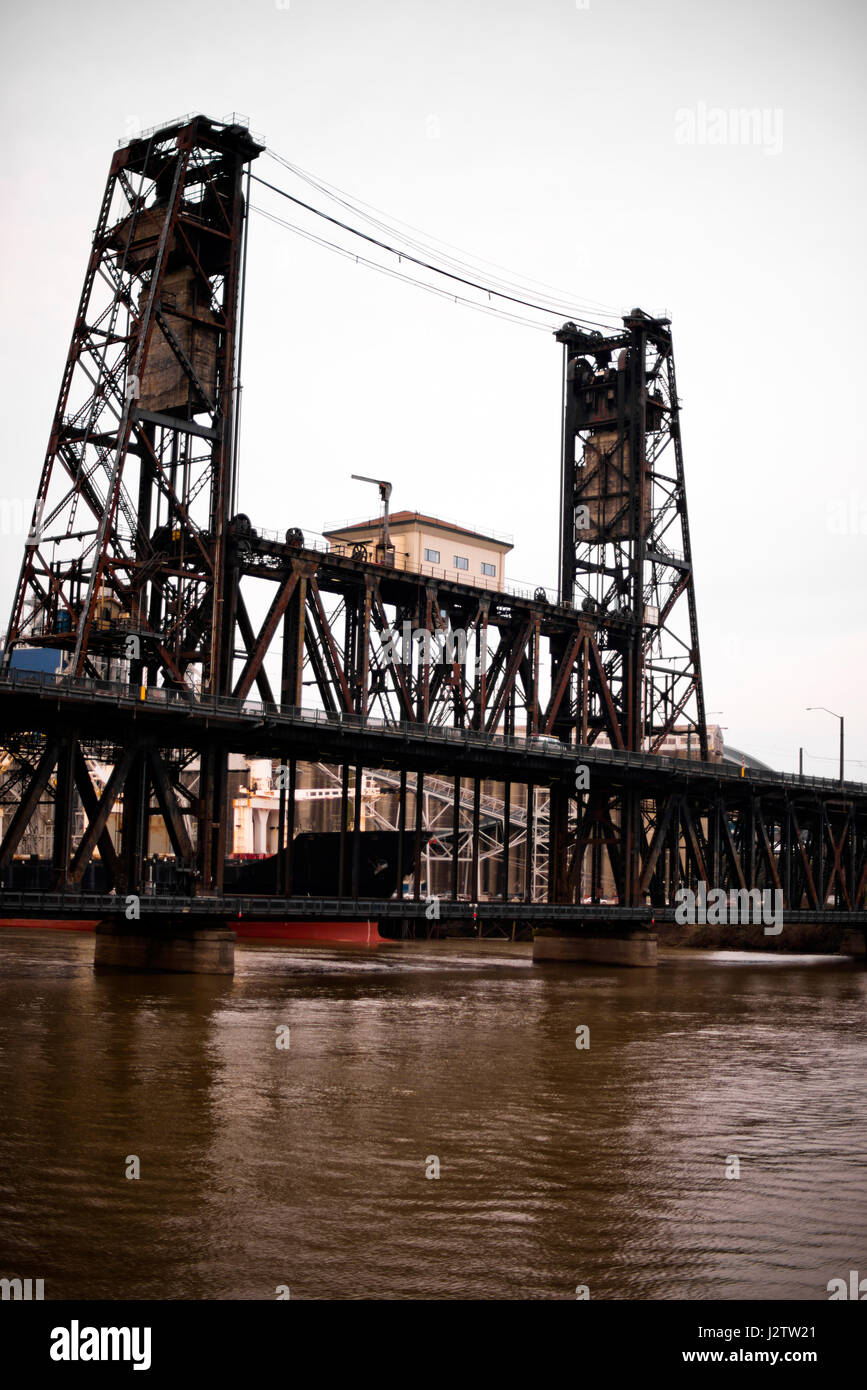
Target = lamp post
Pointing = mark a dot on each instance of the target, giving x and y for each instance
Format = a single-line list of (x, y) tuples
[(385, 495), (835, 716)]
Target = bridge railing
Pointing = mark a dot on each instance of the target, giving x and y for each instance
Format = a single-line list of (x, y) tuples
[(192, 702), (343, 550)]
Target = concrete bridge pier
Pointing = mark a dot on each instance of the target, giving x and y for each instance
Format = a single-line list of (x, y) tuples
[(615, 945), (177, 945), (854, 942)]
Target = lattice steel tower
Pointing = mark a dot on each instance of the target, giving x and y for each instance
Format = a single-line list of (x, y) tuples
[(625, 557), (124, 560)]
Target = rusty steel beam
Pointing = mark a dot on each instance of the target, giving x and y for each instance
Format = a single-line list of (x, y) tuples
[(171, 811), (90, 802), (29, 802), (263, 640), (98, 822), (245, 628)]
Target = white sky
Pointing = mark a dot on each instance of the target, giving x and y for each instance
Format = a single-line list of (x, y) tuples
[(540, 136)]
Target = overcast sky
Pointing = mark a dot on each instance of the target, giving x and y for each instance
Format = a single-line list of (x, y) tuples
[(575, 144)]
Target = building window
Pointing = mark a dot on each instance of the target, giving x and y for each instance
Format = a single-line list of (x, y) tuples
[(488, 568), (432, 556), (461, 562)]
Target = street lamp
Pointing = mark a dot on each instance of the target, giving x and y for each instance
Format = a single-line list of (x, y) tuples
[(385, 494), (835, 716)]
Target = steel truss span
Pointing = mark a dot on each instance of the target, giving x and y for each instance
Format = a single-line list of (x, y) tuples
[(186, 634)]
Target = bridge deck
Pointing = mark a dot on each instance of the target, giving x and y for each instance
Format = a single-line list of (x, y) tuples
[(108, 710), (93, 906)]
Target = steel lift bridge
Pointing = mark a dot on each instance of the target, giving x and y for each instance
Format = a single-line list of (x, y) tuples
[(139, 570)]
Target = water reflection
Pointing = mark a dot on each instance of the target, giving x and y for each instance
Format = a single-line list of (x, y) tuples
[(306, 1166)]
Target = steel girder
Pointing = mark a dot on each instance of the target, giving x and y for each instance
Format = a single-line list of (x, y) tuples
[(493, 662), (630, 842)]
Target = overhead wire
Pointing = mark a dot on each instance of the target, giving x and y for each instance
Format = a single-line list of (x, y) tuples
[(426, 264), (394, 274), (565, 301)]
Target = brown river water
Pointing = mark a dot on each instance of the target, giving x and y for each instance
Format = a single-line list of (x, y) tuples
[(305, 1166)]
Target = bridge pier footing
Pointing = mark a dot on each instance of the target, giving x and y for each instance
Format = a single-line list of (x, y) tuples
[(854, 942), (174, 947), (635, 947)]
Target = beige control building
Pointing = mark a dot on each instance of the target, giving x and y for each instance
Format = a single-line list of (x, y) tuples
[(426, 545)]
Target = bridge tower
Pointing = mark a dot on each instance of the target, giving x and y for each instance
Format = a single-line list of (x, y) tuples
[(625, 554), (124, 567), (124, 559), (626, 566)]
